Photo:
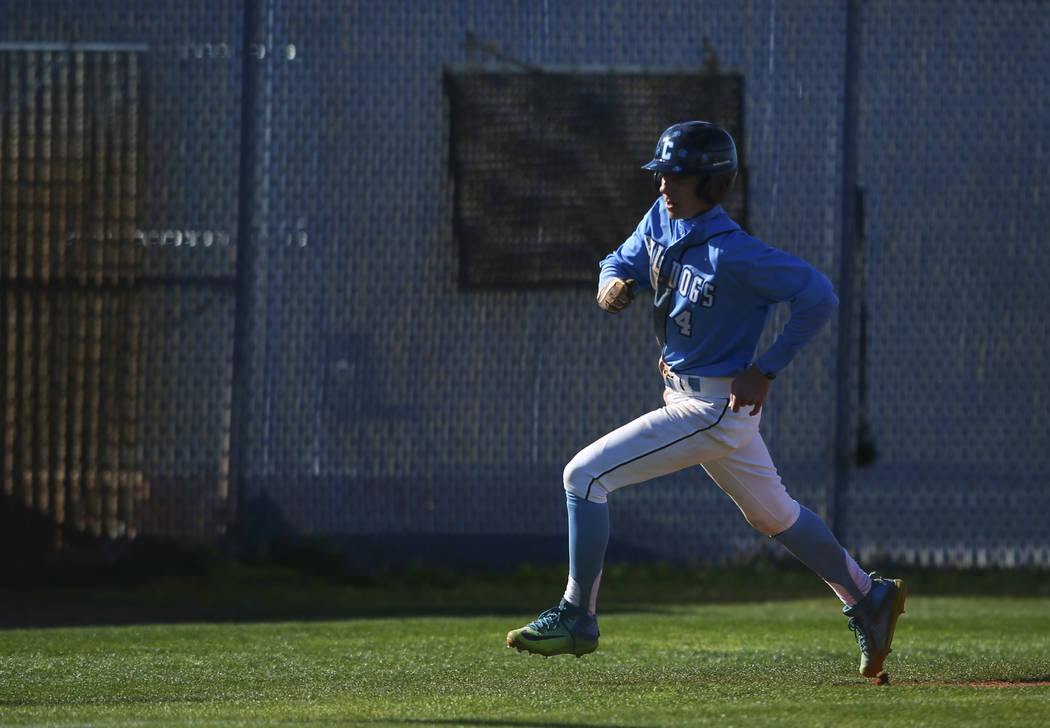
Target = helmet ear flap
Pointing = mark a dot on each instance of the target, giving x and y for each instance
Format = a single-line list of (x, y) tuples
[(656, 180)]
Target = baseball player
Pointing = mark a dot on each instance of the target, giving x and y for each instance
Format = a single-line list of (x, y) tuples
[(713, 288)]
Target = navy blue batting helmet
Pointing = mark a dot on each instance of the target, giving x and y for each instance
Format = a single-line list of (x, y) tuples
[(694, 147)]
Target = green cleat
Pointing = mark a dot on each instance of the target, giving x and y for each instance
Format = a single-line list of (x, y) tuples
[(873, 619), (562, 630)]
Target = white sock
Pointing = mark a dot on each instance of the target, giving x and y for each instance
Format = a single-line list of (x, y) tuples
[(574, 594)]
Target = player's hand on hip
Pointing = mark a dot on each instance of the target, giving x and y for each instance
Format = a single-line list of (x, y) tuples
[(664, 371), (616, 294), (751, 387)]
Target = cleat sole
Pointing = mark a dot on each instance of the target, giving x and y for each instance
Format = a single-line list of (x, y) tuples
[(574, 652)]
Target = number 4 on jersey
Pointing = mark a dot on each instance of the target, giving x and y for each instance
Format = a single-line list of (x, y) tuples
[(704, 295), (684, 320)]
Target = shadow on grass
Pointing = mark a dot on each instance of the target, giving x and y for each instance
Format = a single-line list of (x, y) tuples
[(314, 585), (197, 587), (482, 722), (1034, 682)]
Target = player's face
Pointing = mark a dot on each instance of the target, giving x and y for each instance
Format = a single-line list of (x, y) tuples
[(679, 193)]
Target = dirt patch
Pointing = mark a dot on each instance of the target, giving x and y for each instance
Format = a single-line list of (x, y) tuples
[(980, 683)]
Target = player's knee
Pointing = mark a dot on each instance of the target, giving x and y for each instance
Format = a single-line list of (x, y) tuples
[(576, 478), (775, 518), (764, 525)]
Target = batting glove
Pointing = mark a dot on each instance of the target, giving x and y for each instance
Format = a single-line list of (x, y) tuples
[(616, 294)]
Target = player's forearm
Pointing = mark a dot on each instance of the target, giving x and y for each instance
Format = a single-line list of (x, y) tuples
[(805, 322), (613, 268), (629, 261)]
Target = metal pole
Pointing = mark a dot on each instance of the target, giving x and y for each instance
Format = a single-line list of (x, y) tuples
[(250, 224), (848, 310)]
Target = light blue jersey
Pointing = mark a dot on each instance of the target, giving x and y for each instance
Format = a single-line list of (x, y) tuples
[(725, 283)]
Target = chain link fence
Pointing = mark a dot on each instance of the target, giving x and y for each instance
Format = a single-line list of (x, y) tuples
[(274, 269)]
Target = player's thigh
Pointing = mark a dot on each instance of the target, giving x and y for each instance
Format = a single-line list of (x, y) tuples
[(665, 440), (750, 478)]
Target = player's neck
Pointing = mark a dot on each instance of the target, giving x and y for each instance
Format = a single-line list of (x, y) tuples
[(700, 214)]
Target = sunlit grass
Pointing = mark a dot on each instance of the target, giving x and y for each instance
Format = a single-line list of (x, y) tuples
[(730, 664)]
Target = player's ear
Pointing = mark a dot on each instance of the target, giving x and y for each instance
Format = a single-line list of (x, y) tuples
[(716, 189)]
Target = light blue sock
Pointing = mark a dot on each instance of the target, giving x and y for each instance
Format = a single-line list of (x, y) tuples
[(811, 541), (588, 537)]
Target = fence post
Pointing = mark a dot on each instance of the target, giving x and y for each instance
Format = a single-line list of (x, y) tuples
[(251, 224), (845, 420)]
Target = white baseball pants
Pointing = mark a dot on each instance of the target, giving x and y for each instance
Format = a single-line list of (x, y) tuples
[(695, 428)]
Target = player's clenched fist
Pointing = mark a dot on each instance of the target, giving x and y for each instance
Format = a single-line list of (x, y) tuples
[(616, 294)]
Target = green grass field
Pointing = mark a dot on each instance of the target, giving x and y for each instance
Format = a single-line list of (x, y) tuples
[(959, 660)]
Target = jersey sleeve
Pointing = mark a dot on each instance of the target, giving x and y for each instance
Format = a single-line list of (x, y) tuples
[(630, 260), (781, 277)]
